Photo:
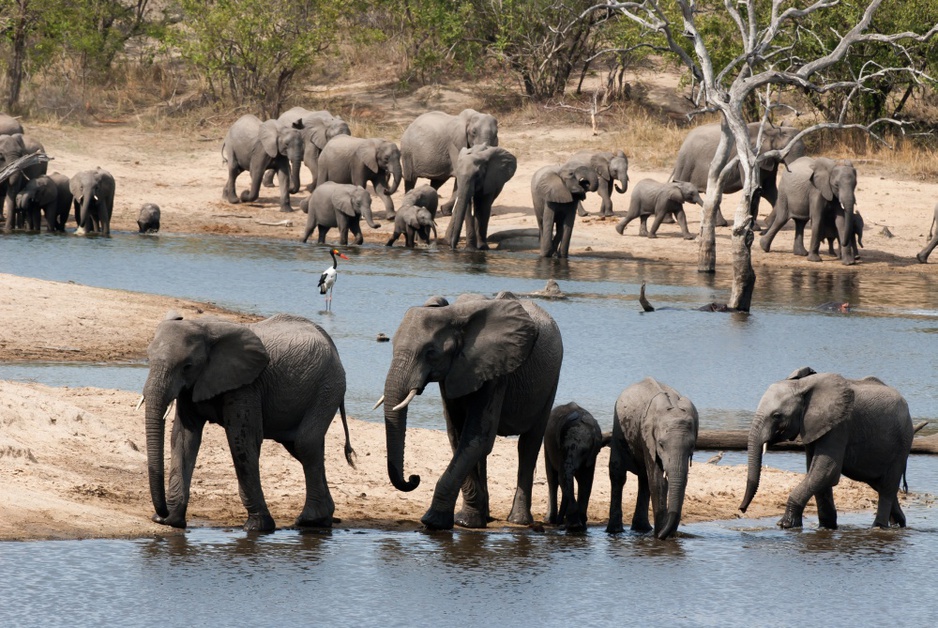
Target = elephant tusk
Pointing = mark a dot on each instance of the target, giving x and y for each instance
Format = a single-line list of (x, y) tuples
[(169, 409), (380, 401), (139, 403), (407, 400), (765, 448), (665, 476)]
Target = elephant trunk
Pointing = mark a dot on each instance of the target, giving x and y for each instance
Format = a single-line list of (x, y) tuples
[(366, 213), (461, 209), (848, 252), (677, 484), (757, 439), (84, 216), (395, 174), (395, 425), (295, 164), (433, 230), (621, 182), (158, 397)]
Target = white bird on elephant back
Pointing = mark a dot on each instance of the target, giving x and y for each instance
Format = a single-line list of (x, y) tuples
[(328, 277)]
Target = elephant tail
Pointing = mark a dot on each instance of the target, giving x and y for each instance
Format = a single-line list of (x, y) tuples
[(349, 452), (905, 482)]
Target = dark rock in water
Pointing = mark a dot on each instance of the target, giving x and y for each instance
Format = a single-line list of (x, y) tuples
[(550, 291), (715, 307), (382, 338)]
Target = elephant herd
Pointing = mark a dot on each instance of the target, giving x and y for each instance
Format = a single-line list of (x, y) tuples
[(497, 362)]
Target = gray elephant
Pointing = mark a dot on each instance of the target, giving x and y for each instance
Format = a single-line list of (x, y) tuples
[(571, 443), (922, 256), (13, 147), (557, 192), (93, 198), (359, 161), (497, 362), (612, 168), (280, 378), (254, 146), (650, 197), (431, 143), (339, 205), (318, 128), (815, 189), (481, 173), (9, 125), (148, 219), (416, 217), (700, 146), (654, 433), (45, 195), (830, 234), (860, 428)]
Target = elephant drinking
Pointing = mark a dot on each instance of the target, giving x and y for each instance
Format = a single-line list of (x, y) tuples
[(93, 198)]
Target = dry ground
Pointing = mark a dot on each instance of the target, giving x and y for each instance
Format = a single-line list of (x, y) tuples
[(71, 463)]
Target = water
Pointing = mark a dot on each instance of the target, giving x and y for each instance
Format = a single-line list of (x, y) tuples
[(741, 573), (722, 362)]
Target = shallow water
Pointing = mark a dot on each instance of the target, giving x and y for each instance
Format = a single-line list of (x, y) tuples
[(722, 362)]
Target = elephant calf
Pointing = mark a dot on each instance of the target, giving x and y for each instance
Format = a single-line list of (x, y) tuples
[(556, 192), (49, 195), (612, 170), (340, 205), (663, 200), (148, 220), (416, 216), (571, 443), (654, 433)]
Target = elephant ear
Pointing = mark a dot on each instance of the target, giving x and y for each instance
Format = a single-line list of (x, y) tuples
[(601, 165), (828, 403), (343, 202), (236, 357), (268, 136), (317, 133), (436, 301), (554, 189), (501, 167), (804, 371), (496, 338), (459, 132), (821, 177), (75, 186), (647, 430), (368, 154), (675, 194)]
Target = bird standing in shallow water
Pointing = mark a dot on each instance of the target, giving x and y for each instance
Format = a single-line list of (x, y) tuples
[(327, 279)]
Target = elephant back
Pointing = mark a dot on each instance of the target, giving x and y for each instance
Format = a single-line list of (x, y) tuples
[(427, 145)]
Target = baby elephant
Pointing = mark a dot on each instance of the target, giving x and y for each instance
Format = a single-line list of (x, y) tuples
[(415, 217), (571, 443), (46, 194), (339, 205), (830, 233), (654, 433), (148, 220), (663, 200)]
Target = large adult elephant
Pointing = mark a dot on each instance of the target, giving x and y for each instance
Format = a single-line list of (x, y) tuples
[(497, 362), (359, 161), (280, 378), (49, 195), (431, 143), (481, 173), (93, 198), (254, 146), (700, 146), (9, 125), (13, 147), (860, 428), (557, 192), (339, 205), (813, 188), (318, 128), (612, 168), (654, 432)]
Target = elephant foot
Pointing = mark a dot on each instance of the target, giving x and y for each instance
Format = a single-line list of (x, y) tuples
[(472, 518), (307, 521), (652, 236), (614, 527), (259, 522), (814, 257), (922, 259), (690, 236), (521, 518), (791, 518), (390, 216), (765, 244), (174, 521), (577, 526), (436, 520), (641, 526), (445, 212), (286, 209), (620, 228), (720, 221)]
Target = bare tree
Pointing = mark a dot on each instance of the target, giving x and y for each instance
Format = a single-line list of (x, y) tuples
[(767, 63)]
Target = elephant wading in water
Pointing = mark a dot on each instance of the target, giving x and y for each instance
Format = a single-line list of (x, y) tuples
[(93, 198), (49, 195), (860, 428), (557, 192), (700, 146), (280, 378), (654, 432), (481, 173), (359, 161), (416, 217), (497, 362), (13, 147), (819, 190), (255, 147), (571, 443), (430, 146), (612, 170), (339, 205), (318, 128), (649, 197)]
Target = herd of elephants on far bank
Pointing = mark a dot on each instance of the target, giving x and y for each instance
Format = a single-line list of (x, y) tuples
[(497, 360)]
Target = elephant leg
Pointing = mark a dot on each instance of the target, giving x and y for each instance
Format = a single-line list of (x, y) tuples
[(475, 497), (922, 256), (472, 234), (896, 515), (584, 488), (825, 457), (640, 516), (309, 448), (260, 162), (268, 180), (826, 510), (622, 224), (659, 217), (798, 245), (244, 429), (185, 441), (552, 484), (605, 193), (322, 234), (887, 508), (617, 474), (681, 218), (816, 213), (781, 218), (565, 230), (482, 211), (529, 446), (547, 233), (720, 220), (356, 230), (446, 209), (382, 193), (229, 193), (283, 176), (568, 507), (409, 239), (393, 238)]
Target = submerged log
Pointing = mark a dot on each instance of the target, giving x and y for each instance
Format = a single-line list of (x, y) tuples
[(737, 440)]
